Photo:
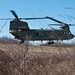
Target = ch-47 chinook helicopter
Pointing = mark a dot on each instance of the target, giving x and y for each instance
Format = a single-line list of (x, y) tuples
[(21, 30)]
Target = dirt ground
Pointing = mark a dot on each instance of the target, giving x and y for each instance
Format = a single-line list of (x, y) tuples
[(30, 48), (17, 59)]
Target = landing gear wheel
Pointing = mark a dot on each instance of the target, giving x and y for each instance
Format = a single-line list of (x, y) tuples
[(22, 41), (51, 42)]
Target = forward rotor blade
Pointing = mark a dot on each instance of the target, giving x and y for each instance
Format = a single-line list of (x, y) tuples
[(71, 24), (55, 24), (60, 24), (13, 12), (55, 20)]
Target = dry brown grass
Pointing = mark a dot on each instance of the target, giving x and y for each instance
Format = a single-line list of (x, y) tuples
[(16, 59)]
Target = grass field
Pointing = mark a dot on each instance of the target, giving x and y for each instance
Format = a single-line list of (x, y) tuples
[(25, 59)]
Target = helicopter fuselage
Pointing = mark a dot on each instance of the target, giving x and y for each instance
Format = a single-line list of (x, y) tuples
[(37, 35), (21, 31)]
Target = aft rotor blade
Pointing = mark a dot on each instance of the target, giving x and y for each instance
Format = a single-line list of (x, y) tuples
[(13, 12), (34, 18), (7, 18), (23, 18)]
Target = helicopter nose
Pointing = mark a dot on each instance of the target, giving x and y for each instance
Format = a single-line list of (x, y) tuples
[(72, 35)]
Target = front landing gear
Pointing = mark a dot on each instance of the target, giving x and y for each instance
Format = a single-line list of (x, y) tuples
[(51, 42)]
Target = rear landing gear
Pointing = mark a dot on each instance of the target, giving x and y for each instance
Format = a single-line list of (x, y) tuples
[(22, 41), (51, 42)]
